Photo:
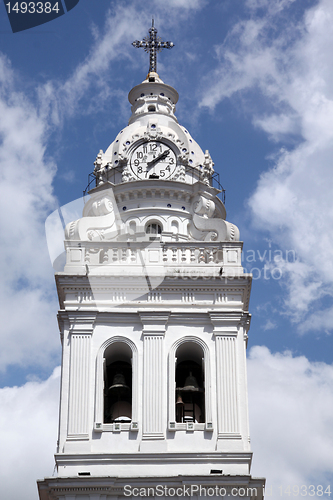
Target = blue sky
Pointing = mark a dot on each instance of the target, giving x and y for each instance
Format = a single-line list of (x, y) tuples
[(255, 80)]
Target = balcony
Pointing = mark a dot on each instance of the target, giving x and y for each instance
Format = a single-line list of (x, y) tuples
[(168, 258)]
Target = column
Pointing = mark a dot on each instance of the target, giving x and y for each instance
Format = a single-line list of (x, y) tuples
[(226, 368), (79, 382), (154, 373), (225, 333)]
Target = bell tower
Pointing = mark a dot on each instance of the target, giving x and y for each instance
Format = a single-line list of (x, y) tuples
[(153, 321)]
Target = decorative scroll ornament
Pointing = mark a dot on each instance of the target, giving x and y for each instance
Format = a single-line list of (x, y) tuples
[(100, 223), (204, 227)]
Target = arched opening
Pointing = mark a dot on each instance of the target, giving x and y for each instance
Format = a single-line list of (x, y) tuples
[(118, 383), (190, 384), (175, 227), (151, 108), (132, 227), (154, 229)]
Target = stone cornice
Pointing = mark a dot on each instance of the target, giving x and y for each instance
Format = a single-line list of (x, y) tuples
[(82, 322), (154, 322), (56, 487), (228, 322)]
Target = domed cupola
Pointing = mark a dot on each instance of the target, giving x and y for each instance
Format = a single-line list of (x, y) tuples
[(154, 174), (152, 96), (154, 146)]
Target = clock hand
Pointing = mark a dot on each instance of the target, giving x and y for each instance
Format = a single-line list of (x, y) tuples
[(160, 157), (156, 160)]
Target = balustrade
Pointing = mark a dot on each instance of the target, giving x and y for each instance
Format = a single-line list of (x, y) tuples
[(154, 253)]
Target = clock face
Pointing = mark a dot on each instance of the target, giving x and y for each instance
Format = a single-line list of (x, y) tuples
[(153, 160)]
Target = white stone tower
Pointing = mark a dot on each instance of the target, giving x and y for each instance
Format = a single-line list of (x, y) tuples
[(154, 321)]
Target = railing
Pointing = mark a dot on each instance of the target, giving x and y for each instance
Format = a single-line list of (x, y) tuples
[(194, 173), (153, 254)]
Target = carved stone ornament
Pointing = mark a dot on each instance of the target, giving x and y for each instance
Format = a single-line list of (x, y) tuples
[(102, 207), (203, 206), (204, 227), (179, 174), (97, 225), (208, 168), (127, 174), (153, 134)]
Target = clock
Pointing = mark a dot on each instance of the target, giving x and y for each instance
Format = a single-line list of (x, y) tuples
[(153, 160)]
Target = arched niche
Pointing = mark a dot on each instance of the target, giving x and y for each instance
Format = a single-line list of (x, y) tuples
[(190, 383), (190, 354), (116, 385)]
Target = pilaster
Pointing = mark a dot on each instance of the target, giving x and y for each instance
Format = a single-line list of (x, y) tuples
[(78, 408), (154, 327), (80, 332), (226, 333)]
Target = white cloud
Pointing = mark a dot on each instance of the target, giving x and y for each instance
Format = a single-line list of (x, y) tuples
[(183, 4), (123, 24), (290, 404), (269, 325), (28, 436), (278, 126), (292, 70), (318, 321), (272, 6), (26, 197), (61, 99)]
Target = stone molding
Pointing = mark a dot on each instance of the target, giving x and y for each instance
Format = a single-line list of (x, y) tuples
[(66, 459), (228, 322), (154, 322)]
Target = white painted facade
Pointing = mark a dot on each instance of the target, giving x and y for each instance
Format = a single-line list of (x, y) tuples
[(153, 287)]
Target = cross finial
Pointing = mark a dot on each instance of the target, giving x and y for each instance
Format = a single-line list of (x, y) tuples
[(153, 44)]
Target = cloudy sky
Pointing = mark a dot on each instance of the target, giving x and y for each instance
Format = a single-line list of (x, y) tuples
[(255, 79)]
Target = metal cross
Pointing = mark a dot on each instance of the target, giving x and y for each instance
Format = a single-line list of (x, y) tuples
[(152, 44)]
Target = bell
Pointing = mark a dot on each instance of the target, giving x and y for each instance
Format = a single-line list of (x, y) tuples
[(179, 401), (191, 383), (179, 409), (118, 382)]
